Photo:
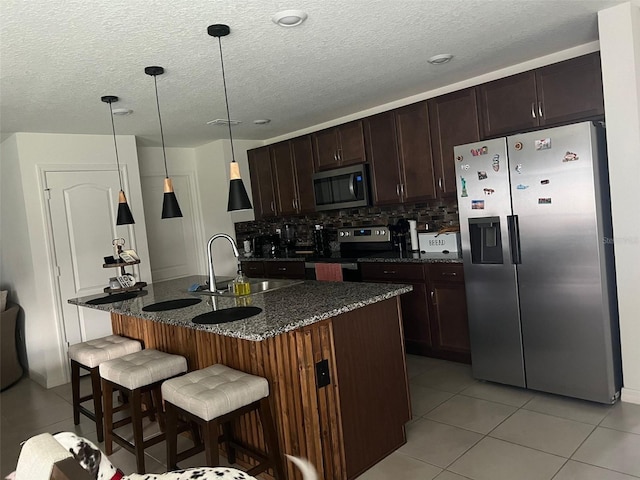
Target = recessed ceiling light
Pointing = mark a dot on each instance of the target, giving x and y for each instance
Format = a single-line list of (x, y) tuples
[(122, 111), (261, 121), (440, 59), (223, 121), (289, 18)]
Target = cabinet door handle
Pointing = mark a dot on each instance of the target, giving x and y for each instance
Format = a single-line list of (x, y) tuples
[(282, 269), (273, 206), (389, 272), (402, 189), (449, 274), (293, 203), (540, 109), (533, 110), (397, 189), (440, 183), (335, 156), (433, 298), (339, 154)]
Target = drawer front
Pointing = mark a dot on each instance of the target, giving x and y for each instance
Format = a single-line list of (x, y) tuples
[(284, 269), (446, 272), (392, 272), (253, 269)]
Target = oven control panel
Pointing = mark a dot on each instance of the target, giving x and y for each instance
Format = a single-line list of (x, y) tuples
[(374, 234)]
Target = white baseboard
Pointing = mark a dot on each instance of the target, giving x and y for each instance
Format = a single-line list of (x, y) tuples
[(630, 396)]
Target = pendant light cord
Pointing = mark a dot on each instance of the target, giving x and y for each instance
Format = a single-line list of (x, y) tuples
[(166, 173), (226, 101), (115, 144)]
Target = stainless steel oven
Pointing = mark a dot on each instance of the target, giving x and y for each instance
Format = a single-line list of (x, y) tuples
[(346, 187), (355, 242)]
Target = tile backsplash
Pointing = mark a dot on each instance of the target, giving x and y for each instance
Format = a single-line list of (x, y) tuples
[(435, 215)]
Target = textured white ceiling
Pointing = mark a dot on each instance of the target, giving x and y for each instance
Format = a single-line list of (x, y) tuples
[(58, 57)]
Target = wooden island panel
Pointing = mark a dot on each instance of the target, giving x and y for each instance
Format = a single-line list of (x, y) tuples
[(309, 420)]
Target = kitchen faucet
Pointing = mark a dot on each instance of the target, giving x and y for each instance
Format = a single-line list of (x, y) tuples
[(212, 275)]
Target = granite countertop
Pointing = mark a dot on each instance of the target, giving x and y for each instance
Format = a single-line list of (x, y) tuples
[(283, 310), (389, 257)]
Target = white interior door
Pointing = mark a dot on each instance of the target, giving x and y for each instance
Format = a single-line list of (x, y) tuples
[(82, 208)]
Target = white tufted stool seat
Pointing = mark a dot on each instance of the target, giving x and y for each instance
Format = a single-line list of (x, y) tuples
[(136, 374), (88, 356), (215, 396)]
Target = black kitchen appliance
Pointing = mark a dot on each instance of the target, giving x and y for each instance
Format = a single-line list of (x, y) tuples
[(265, 246), (320, 241)]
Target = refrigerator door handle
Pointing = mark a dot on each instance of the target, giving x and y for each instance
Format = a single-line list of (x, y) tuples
[(514, 239)]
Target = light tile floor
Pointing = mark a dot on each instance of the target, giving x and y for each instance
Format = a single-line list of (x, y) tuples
[(461, 429)]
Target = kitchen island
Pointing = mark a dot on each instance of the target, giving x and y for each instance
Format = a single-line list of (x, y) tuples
[(333, 354)]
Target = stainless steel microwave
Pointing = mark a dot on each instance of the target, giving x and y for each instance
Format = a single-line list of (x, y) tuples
[(346, 187)]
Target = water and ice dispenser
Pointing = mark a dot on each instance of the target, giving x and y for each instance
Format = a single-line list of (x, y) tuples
[(486, 241)]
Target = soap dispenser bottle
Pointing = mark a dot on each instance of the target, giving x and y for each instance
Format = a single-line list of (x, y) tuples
[(241, 284)]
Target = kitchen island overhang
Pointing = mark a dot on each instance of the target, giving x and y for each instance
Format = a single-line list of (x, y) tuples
[(347, 335)]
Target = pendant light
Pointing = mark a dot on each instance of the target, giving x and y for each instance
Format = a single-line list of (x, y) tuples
[(238, 198), (170, 207), (124, 212)]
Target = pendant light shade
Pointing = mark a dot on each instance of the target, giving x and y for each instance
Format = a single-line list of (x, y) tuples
[(170, 206), (238, 198), (124, 212)]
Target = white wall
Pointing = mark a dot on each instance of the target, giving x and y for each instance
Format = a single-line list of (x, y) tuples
[(24, 236), (619, 29), (212, 165), (176, 245)]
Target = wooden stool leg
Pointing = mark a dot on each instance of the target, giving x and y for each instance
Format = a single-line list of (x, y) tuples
[(75, 391), (271, 438), (136, 422), (107, 390), (156, 398), (171, 425), (227, 430), (210, 434), (97, 402)]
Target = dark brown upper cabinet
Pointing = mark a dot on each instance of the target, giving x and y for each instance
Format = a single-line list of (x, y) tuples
[(281, 178), (399, 151), (453, 120), (284, 173), (414, 149), (570, 90), (382, 153), (262, 189), (302, 152), (292, 163), (339, 146), (562, 92)]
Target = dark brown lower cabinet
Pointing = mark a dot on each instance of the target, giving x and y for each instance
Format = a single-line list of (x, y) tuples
[(448, 311), (253, 269), (434, 314), (273, 269)]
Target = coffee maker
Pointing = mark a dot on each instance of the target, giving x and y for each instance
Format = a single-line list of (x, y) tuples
[(289, 236), (266, 246)]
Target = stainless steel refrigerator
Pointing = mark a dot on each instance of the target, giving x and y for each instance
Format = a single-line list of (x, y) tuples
[(537, 248)]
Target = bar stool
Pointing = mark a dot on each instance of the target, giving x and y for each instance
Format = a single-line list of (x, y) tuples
[(137, 374), (88, 356), (215, 396)]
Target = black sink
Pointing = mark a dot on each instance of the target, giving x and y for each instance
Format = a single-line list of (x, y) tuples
[(171, 304), (226, 315), (114, 297)]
